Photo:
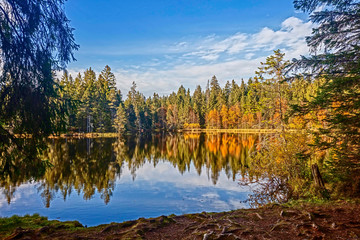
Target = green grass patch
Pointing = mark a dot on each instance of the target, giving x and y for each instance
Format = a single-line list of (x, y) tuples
[(9, 224)]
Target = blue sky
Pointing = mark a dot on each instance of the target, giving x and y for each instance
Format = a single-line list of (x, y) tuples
[(162, 44)]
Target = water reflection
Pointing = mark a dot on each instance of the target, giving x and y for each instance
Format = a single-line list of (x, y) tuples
[(87, 166)]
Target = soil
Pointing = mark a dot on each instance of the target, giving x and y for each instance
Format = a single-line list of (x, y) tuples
[(340, 220)]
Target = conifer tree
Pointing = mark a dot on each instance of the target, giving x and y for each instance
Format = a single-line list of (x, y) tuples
[(214, 93), (335, 46), (199, 105), (274, 88), (121, 119)]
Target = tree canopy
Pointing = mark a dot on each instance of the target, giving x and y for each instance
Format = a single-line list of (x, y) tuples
[(35, 40), (335, 59)]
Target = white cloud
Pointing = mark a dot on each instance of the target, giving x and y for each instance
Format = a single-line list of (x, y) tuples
[(193, 62), (166, 81), (166, 173)]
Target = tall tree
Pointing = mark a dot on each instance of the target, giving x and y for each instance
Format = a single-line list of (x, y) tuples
[(199, 105), (103, 113), (87, 108), (273, 99), (35, 40), (121, 119), (335, 44), (215, 91), (112, 95)]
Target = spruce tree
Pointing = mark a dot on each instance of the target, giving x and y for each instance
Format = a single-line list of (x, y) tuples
[(335, 59)]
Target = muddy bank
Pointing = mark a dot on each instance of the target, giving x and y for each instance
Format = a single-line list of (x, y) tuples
[(335, 220)]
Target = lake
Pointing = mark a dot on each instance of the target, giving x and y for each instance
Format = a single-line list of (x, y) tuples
[(105, 180)]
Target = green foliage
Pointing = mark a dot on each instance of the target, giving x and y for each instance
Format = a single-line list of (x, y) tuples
[(8, 225), (261, 102), (35, 40), (94, 101), (335, 41), (273, 90)]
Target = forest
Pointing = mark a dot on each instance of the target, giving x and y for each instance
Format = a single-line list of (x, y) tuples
[(263, 101)]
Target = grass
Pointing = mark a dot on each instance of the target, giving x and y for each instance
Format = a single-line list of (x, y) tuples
[(316, 201), (9, 224)]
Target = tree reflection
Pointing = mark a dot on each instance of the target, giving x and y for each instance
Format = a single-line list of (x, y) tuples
[(87, 166)]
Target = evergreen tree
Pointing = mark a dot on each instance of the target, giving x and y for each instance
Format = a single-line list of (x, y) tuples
[(121, 119), (335, 42), (227, 92), (199, 105), (112, 95), (85, 115), (215, 91), (234, 95), (102, 106), (273, 88), (36, 39)]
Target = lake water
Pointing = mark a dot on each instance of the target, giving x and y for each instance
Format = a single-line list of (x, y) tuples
[(107, 180)]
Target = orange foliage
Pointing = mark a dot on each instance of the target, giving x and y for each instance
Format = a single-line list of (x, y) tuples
[(224, 116), (213, 119)]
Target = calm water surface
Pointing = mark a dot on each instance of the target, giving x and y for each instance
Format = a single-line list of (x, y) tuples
[(108, 180)]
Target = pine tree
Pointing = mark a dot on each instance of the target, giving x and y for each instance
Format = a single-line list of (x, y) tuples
[(215, 91), (102, 109), (336, 60), (86, 109), (234, 95), (35, 40), (199, 105), (273, 88), (121, 119), (112, 95), (227, 92)]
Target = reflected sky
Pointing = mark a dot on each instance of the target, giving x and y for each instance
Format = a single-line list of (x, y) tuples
[(157, 186)]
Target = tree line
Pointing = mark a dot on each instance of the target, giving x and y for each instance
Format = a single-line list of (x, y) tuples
[(260, 102)]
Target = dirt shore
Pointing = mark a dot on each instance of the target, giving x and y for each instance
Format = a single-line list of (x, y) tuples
[(336, 220)]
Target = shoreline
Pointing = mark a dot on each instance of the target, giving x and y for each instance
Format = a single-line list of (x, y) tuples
[(207, 131), (303, 220)]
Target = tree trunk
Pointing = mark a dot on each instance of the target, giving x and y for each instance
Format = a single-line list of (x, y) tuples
[(319, 182)]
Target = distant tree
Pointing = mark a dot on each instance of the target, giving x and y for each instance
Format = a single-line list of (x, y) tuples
[(121, 119), (112, 95), (224, 113), (227, 92), (103, 113), (199, 105), (233, 116), (88, 101), (274, 87), (234, 94), (215, 90)]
